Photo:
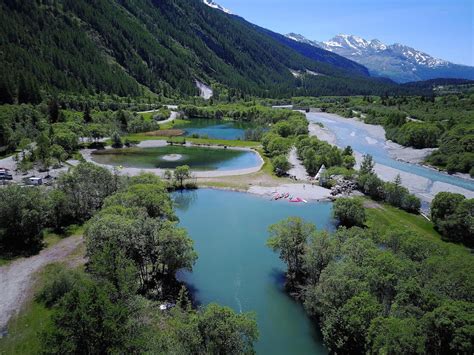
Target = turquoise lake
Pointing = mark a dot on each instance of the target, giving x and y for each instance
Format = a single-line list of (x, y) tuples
[(347, 133), (215, 129), (235, 268), (197, 158)]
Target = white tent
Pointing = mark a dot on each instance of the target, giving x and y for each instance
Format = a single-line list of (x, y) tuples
[(321, 172)]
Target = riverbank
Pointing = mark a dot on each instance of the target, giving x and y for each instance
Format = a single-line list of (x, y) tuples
[(395, 150), (372, 137), (304, 191)]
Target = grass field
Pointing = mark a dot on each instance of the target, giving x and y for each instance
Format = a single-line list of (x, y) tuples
[(147, 116), (174, 123), (385, 217), (24, 330)]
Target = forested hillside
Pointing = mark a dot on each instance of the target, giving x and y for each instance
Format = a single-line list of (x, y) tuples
[(126, 47)]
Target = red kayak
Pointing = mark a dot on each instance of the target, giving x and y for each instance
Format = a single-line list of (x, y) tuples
[(297, 199)]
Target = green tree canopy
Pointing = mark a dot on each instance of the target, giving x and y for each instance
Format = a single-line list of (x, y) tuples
[(349, 212)]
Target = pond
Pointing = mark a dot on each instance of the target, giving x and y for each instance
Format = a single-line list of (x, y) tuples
[(215, 129), (169, 157), (236, 269), (349, 133)]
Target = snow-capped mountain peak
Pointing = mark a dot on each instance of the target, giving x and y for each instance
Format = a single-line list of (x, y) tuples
[(377, 45), (397, 61), (349, 45), (214, 5), (350, 41)]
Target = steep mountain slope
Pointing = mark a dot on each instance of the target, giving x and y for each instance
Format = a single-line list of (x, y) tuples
[(124, 46), (397, 62)]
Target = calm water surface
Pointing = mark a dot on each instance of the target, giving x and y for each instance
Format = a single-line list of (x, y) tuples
[(215, 129), (235, 268), (348, 133), (196, 157)]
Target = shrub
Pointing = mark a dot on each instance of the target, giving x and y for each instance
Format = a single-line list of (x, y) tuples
[(59, 282), (350, 212), (116, 140), (453, 216), (281, 165)]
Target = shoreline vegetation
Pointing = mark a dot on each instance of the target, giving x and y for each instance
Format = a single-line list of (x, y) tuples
[(142, 199), (365, 285)]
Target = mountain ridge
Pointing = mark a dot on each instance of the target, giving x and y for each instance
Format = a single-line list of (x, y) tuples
[(398, 62)]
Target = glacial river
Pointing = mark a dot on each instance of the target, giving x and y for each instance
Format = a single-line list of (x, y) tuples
[(348, 132)]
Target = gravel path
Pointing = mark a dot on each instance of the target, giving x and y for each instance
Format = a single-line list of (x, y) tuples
[(174, 115), (17, 278), (298, 170)]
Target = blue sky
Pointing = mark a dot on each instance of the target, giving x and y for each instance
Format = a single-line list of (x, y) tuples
[(442, 28)]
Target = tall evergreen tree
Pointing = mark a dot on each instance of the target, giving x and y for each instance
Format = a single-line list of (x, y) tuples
[(53, 111), (87, 114)]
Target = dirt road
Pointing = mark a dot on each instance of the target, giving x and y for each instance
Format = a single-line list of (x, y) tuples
[(16, 279)]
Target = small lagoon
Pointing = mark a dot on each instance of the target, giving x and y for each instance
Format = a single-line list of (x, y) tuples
[(215, 129), (236, 269), (169, 157)]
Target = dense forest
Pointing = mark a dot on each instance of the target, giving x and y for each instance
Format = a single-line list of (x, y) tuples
[(50, 134), (145, 47), (377, 291)]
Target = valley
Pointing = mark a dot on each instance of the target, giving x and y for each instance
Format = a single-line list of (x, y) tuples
[(176, 179)]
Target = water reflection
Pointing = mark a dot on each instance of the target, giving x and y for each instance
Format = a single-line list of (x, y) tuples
[(184, 199)]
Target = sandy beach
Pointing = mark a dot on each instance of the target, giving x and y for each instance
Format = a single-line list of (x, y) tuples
[(305, 191)]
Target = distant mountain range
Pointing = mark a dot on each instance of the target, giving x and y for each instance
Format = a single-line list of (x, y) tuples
[(398, 62)]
